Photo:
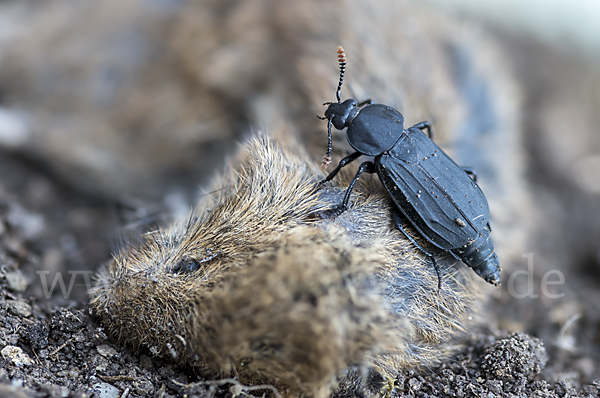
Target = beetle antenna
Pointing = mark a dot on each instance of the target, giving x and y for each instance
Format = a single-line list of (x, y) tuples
[(327, 157), (342, 61)]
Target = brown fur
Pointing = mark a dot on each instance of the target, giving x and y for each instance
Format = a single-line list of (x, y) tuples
[(290, 299)]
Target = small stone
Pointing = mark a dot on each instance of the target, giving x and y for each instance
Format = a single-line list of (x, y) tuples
[(106, 350), (105, 390), (16, 355), (17, 282), (19, 308)]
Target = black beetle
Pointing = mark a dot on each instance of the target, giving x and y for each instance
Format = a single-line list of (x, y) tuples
[(438, 197)]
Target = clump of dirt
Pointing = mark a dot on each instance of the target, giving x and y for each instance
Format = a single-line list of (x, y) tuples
[(475, 372), (517, 357)]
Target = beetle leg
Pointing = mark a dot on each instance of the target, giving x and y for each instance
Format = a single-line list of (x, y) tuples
[(470, 171), (425, 125), (368, 167), (398, 223), (345, 161)]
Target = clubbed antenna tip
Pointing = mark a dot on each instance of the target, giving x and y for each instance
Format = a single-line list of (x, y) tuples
[(342, 61), (341, 54), (326, 161)]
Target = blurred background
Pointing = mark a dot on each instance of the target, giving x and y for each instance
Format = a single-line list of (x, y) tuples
[(114, 115)]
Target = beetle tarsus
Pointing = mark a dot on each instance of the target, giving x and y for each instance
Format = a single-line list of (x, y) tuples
[(337, 210), (368, 167), (329, 213), (470, 171)]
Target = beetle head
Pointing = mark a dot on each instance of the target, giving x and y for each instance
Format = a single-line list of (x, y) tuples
[(342, 114)]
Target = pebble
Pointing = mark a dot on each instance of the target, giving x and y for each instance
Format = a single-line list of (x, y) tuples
[(105, 390), (106, 350), (17, 282), (16, 355), (19, 308)]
